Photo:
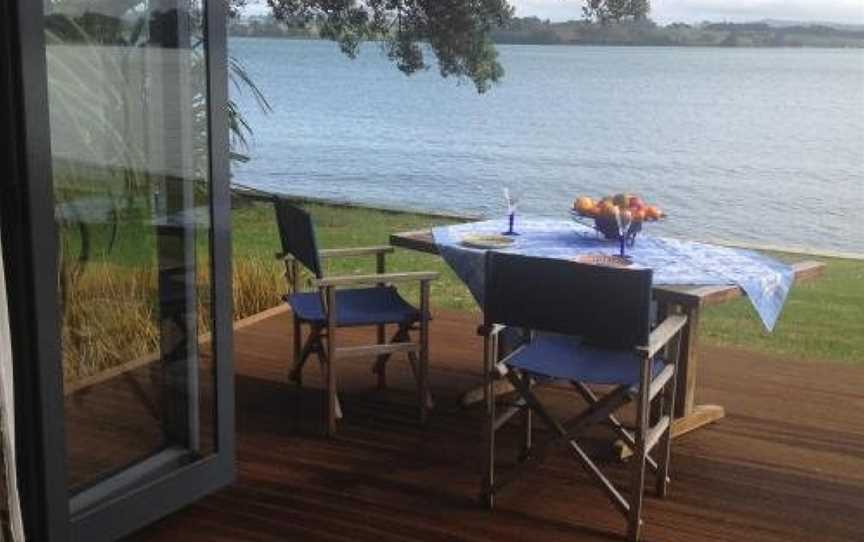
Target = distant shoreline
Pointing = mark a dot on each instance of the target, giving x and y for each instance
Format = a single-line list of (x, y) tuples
[(261, 195), (533, 31), (589, 45)]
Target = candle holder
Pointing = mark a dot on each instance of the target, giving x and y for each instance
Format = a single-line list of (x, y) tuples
[(511, 220), (623, 241), (623, 223)]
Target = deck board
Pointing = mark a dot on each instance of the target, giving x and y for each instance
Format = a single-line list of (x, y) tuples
[(784, 465)]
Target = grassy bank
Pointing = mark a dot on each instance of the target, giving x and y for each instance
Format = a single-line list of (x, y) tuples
[(110, 314), (823, 319)]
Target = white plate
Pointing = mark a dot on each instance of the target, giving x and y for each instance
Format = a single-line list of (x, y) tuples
[(604, 260), (485, 241)]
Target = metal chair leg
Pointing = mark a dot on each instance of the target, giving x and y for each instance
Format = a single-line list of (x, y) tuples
[(423, 361), (637, 473), (330, 383), (298, 340), (380, 367), (325, 378), (296, 374), (312, 344), (381, 363), (663, 456), (414, 364), (332, 400), (423, 386), (488, 489), (328, 395), (528, 441), (665, 453), (634, 520)]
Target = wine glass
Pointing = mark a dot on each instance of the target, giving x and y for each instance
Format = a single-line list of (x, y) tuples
[(511, 211), (623, 219)]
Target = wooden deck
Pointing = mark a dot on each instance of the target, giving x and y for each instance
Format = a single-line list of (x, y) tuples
[(784, 465)]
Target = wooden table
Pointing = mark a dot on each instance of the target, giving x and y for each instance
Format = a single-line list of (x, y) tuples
[(689, 300)]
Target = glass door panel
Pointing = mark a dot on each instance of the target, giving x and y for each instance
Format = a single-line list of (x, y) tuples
[(129, 121)]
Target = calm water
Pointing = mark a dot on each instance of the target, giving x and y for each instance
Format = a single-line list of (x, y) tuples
[(756, 145)]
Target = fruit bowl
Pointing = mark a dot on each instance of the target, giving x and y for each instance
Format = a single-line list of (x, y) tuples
[(604, 215), (607, 225)]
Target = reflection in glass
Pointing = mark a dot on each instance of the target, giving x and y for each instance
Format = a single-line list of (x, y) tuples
[(129, 137)]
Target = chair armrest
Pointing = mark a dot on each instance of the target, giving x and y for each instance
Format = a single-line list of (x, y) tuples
[(490, 331), (664, 332), (355, 251), (351, 280), (343, 252)]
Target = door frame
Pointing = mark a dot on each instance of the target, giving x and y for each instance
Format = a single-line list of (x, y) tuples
[(30, 247)]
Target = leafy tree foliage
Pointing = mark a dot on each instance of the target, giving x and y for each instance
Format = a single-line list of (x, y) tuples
[(456, 31), (605, 11)]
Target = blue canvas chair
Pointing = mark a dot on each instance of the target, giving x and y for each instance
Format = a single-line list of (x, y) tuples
[(585, 325), (331, 306)]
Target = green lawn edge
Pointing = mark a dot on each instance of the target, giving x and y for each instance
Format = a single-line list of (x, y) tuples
[(822, 320)]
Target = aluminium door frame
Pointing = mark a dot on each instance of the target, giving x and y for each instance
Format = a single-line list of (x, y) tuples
[(31, 272), (30, 250)]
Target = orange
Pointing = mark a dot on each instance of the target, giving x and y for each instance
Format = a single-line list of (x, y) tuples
[(652, 212), (584, 205)]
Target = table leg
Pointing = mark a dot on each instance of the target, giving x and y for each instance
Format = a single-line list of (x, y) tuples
[(700, 416), (688, 415), (473, 396)]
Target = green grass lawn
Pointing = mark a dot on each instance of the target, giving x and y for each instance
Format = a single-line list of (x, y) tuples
[(111, 316), (823, 319)]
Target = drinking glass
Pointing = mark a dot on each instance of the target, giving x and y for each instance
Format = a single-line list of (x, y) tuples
[(623, 220), (511, 212)]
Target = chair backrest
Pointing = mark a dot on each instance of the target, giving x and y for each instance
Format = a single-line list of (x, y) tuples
[(297, 234), (608, 307)]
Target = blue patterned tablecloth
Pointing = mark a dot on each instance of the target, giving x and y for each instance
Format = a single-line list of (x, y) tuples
[(675, 262)]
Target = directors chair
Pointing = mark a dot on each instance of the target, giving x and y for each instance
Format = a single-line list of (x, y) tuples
[(585, 325), (339, 302)]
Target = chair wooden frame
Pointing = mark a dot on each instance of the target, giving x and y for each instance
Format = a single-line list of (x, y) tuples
[(645, 437), (323, 340)]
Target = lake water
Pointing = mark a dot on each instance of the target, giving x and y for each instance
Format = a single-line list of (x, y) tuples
[(751, 145)]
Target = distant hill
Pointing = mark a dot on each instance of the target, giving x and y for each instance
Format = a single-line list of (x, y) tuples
[(758, 34), (266, 26), (531, 30), (780, 23)]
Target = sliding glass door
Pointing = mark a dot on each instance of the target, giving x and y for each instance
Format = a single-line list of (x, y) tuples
[(130, 198)]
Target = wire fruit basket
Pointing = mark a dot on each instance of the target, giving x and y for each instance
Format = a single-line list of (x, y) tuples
[(619, 217)]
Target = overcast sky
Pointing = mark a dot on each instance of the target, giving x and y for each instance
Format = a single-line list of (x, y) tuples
[(667, 11)]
